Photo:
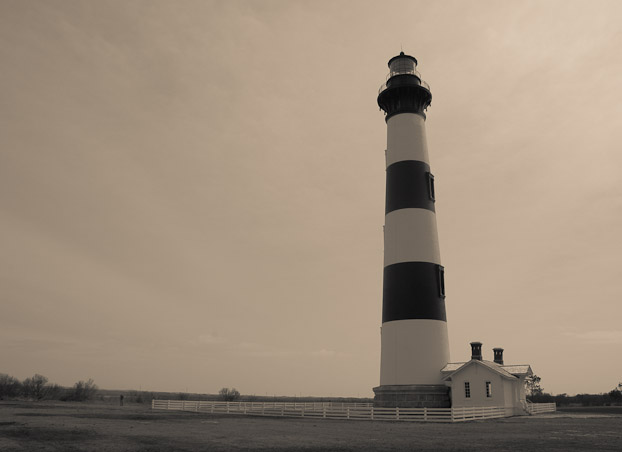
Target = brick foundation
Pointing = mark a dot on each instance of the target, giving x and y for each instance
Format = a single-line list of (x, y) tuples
[(412, 396)]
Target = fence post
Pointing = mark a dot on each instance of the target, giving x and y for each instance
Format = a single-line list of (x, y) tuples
[(324, 411), (348, 412), (212, 407), (452, 413), (372, 413), (168, 404), (183, 405), (397, 413), (263, 408), (425, 413), (227, 407), (282, 409)]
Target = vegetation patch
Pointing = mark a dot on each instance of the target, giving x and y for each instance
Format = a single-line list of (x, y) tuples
[(48, 434), (91, 427), (613, 410), (39, 414), (37, 388)]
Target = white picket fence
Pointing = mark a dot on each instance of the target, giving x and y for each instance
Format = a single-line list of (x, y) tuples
[(328, 410), (537, 408)]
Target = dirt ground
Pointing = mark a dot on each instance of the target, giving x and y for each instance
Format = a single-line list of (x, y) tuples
[(40, 426)]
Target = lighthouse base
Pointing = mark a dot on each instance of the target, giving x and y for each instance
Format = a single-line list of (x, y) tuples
[(412, 396)]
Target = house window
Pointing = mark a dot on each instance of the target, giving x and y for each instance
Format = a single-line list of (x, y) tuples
[(488, 389), (467, 390), (441, 281), (431, 192)]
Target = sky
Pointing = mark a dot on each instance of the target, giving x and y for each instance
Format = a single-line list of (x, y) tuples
[(192, 192)]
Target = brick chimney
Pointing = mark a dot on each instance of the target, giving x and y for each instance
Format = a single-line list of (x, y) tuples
[(498, 355), (476, 350)]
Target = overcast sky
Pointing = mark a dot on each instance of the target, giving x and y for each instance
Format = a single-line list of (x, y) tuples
[(192, 192)]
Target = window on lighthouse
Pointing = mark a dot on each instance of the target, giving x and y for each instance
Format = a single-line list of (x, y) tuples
[(431, 192), (441, 281)]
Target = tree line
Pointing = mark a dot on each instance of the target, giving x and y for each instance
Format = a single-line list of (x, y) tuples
[(536, 394), (38, 388)]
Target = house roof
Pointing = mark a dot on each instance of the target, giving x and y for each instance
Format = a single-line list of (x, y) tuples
[(518, 369), (510, 371), (450, 367)]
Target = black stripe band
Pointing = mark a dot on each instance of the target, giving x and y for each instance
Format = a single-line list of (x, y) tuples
[(408, 186), (413, 290)]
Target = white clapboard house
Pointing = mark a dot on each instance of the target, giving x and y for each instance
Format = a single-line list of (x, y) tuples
[(481, 383)]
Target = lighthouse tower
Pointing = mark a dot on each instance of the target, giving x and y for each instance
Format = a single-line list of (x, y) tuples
[(415, 344)]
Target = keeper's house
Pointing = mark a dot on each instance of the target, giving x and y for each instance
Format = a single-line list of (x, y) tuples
[(480, 383)]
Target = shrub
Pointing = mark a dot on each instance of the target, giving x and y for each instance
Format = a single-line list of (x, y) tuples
[(229, 395), (615, 396), (145, 397), (9, 386), (34, 386), (54, 392), (140, 396), (81, 391)]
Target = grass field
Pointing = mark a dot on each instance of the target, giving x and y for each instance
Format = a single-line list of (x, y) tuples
[(35, 426)]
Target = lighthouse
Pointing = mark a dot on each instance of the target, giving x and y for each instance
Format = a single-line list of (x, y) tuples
[(415, 345)]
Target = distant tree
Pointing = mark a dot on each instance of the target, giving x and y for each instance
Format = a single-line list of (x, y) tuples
[(9, 386), (81, 391), (532, 385), (562, 399), (229, 395), (615, 395), (34, 386), (54, 392), (544, 397), (141, 396)]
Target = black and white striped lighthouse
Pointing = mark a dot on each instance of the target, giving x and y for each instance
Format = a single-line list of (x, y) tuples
[(415, 345)]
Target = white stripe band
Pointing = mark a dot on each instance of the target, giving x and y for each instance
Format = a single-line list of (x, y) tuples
[(406, 138), (410, 235), (413, 352)]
